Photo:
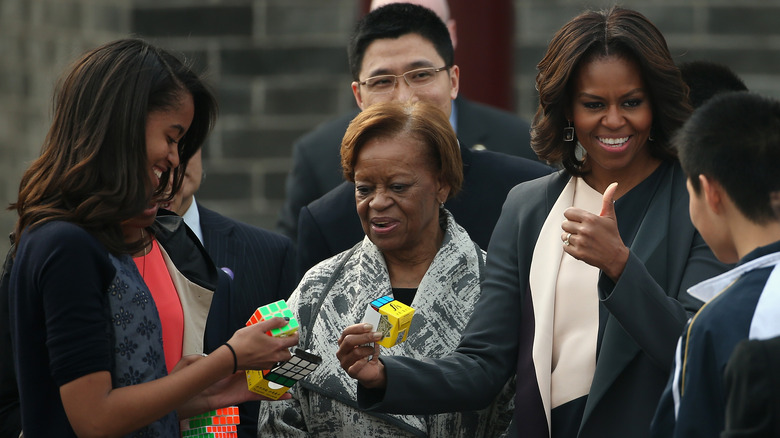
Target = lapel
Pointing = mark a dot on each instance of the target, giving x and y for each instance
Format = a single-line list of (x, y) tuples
[(219, 239), (470, 130), (466, 157), (651, 246)]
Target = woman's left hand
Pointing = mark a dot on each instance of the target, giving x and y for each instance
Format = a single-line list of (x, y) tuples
[(595, 239), (230, 391)]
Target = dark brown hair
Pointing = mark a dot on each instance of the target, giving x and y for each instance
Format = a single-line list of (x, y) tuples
[(418, 120), (591, 35), (93, 167)]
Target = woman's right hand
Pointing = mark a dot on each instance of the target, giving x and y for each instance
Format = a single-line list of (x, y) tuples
[(256, 350), (358, 354)]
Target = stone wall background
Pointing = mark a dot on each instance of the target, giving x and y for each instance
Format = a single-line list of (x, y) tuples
[(279, 68)]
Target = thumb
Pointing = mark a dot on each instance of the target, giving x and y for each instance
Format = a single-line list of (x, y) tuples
[(275, 322), (608, 201)]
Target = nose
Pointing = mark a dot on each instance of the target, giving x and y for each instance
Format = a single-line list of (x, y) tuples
[(173, 154), (613, 119), (380, 201), (402, 91)]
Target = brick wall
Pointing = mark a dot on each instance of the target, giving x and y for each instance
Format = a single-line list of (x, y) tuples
[(745, 37), (38, 39), (279, 68)]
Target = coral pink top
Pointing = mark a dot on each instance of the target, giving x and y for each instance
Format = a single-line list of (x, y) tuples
[(157, 278)]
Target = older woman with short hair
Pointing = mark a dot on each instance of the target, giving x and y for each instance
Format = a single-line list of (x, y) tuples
[(405, 162)]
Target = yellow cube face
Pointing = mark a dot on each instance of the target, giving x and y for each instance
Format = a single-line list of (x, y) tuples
[(391, 317), (275, 382), (259, 385)]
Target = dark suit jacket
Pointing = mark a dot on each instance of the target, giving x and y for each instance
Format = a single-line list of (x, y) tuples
[(316, 167), (647, 309), (262, 263), (10, 417), (331, 225), (263, 270), (752, 379)]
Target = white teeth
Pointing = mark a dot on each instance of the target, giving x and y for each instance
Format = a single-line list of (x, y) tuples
[(157, 172), (613, 141)]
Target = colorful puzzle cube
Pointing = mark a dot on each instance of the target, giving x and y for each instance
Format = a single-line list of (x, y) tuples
[(219, 423), (391, 317), (269, 311), (275, 382)]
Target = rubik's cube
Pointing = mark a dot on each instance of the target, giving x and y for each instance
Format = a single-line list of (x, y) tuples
[(269, 311), (219, 423), (391, 317), (275, 382)]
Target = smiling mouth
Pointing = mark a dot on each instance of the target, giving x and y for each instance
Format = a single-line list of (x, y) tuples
[(614, 142)]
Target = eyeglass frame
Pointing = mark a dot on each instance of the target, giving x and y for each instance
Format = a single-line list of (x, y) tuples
[(403, 75)]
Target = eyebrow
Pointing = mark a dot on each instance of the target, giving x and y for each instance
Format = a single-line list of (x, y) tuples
[(411, 66), (179, 128), (625, 95)]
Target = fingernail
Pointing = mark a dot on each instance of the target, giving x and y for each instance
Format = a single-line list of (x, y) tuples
[(368, 326), (287, 318), (377, 336)]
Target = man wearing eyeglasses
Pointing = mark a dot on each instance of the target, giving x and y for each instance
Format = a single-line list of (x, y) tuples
[(403, 52), (316, 168)]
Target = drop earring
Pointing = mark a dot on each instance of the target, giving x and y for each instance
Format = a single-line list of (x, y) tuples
[(568, 132), (579, 152)]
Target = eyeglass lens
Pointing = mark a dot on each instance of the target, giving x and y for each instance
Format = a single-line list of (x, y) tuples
[(414, 78)]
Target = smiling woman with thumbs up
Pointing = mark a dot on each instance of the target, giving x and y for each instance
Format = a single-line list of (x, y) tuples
[(585, 290)]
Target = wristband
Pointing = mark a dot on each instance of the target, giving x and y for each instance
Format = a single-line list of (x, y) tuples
[(235, 358)]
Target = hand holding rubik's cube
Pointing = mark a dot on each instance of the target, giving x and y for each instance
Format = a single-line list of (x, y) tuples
[(277, 309), (275, 382), (391, 317)]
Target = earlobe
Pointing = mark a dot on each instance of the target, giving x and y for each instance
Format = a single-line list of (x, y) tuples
[(712, 194), (444, 192), (454, 81), (356, 93)]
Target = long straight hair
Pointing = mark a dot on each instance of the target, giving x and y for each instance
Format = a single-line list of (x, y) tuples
[(93, 168)]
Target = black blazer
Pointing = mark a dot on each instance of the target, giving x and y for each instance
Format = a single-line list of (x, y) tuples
[(316, 166), (262, 265), (331, 225), (261, 261)]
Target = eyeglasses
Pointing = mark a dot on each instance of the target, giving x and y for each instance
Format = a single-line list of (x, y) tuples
[(414, 78)]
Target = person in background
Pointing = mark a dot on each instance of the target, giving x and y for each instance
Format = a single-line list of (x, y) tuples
[(316, 169), (731, 207), (88, 339), (752, 387), (585, 284), (402, 52), (405, 162), (706, 79), (260, 262)]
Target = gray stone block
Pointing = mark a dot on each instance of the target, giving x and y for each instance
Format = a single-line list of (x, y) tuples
[(278, 61), (195, 21), (259, 143), (226, 186)]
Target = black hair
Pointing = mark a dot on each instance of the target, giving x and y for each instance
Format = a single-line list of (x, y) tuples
[(706, 79), (396, 20), (734, 139), (93, 169), (623, 33)]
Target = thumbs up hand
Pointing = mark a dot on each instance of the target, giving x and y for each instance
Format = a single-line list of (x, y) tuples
[(595, 239)]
